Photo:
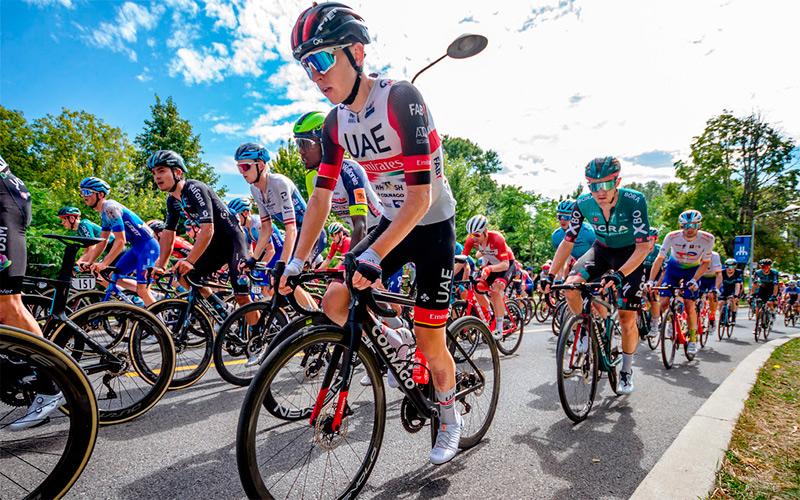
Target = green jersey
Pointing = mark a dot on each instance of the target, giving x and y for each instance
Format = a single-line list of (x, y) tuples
[(627, 225), (766, 280), (88, 229), (651, 257)]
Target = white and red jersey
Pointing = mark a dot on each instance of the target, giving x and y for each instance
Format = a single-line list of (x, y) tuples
[(495, 249), (396, 142), (343, 247), (687, 253)]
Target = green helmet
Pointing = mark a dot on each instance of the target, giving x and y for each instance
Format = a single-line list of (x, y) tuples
[(309, 125), (65, 211), (600, 168)]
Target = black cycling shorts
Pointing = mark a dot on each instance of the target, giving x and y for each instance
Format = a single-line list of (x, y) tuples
[(727, 291), (15, 216), (792, 298), (224, 249), (505, 276), (764, 292), (600, 259), (430, 248)]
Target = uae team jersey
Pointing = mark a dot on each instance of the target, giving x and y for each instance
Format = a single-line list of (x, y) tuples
[(281, 202), (353, 195), (395, 140), (495, 249), (687, 253), (117, 218)]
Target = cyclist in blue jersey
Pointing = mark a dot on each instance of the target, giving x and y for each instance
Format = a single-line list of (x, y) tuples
[(251, 224), (73, 222), (582, 244), (127, 227)]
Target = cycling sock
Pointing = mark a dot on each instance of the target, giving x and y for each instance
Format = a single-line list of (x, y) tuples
[(692, 335), (447, 407), (498, 327), (627, 362)]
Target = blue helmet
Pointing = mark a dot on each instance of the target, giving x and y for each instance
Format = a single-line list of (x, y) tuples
[(653, 232), (565, 207), (251, 151), (239, 205), (95, 184), (166, 158)]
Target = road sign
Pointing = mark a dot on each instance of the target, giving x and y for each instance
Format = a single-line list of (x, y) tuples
[(741, 249)]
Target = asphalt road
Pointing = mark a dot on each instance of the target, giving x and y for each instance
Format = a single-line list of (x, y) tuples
[(185, 446)]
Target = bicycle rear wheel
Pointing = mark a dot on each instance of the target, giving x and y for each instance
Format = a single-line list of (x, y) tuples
[(723, 322), (42, 461), (290, 459), (542, 311), (669, 339), (576, 372), (513, 329)]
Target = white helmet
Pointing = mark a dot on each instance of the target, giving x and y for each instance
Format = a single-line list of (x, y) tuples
[(690, 217), (476, 224)]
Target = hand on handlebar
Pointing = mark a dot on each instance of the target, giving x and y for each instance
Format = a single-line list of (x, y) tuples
[(183, 267), (294, 268), (368, 269), (98, 267)]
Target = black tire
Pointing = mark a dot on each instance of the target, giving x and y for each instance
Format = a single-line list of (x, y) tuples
[(614, 356), (194, 348), (653, 342), (704, 334), (759, 316), (542, 311), (146, 370), (723, 321), (39, 306), (235, 342), (668, 345), (259, 433), (573, 379), (85, 298), (30, 475), (457, 310), (512, 334)]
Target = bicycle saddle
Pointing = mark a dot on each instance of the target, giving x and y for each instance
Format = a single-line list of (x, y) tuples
[(461, 259), (73, 240)]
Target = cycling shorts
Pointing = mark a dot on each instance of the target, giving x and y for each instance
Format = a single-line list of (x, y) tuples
[(764, 292), (15, 215), (137, 259), (673, 275), (430, 248), (792, 298), (504, 276), (727, 291), (707, 284), (600, 259), (224, 250)]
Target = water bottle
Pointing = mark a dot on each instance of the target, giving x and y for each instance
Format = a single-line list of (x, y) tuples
[(420, 374)]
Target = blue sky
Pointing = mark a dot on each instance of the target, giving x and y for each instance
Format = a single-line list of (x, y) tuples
[(561, 81)]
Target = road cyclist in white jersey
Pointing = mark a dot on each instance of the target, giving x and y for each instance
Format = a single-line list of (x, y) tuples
[(386, 127), (689, 251)]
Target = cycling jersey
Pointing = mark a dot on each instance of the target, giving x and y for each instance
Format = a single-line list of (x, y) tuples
[(582, 244), (628, 223), (763, 279), (714, 267), (88, 229), (342, 248), (395, 140), (495, 249), (181, 248), (729, 282), (652, 256), (251, 233), (685, 253), (15, 216), (792, 290), (117, 218), (201, 204), (281, 202), (352, 195)]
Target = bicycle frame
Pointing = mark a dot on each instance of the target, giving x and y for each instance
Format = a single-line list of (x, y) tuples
[(590, 299)]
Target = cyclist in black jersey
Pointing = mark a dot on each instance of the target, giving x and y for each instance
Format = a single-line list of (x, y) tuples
[(218, 242)]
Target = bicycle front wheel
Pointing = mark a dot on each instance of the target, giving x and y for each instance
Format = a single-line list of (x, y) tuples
[(576, 369), (292, 459), (669, 339), (513, 329), (42, 461)]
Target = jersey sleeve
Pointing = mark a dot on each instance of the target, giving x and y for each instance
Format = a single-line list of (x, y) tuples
[(497, 241), (113, 222), (641, 224), (280, 186), (575, 225), (355, 183), (708, 256), (665, 245), (199, 200), (408, 116), (263, 213), (332, 152), (84, 230), (173, 214), (468, 244)]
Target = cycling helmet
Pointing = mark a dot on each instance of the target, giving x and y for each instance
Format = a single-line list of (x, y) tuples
[(653, 232), (309, 126), (690, 217), (239, 205), (545, 267), (565, 207), (166, 158), (65, 211), (600, 168), (730, 262), (95, 184), (477, 224), (251, 151), (327, 25), (765, 262), (156, 225), (335, 227)]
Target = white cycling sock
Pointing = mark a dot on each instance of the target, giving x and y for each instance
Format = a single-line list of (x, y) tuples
[(627, 362), (447, 406), (498, 326)]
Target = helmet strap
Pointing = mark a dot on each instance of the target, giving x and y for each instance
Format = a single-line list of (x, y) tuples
[(354, 91), (260, 173), (174, 181), (96, 200)]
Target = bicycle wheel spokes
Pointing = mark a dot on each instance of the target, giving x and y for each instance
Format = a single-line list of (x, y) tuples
[(513, 327), (669, 340), (296, 459), (193, 345), (577, 370)]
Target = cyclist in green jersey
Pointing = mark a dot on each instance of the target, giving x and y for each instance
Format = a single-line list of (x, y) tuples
[(619, 218), (73, 222), (652, 298)]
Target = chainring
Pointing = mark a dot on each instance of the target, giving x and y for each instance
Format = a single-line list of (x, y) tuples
[(412, 421)]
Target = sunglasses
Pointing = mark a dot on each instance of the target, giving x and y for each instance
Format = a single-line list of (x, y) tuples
[(304, 143), (564, 217), (245, 166), (691, 225), (87, 192), (321, 61), (605, 185)]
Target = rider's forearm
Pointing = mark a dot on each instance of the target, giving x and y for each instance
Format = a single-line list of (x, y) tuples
[(701, 270), (500, 266), (656, 268), (117, 248), (201, 242), (562, 253), (636, 259), (418, 200), (359, 229), (289, 239), (319, 206), (165, 247)]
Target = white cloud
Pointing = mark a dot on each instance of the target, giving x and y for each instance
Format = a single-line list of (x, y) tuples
[(225, 164), (214, 117), (48, 3), (145, 75), (199, 67), (222, 12), (123, 31), (227, 129)]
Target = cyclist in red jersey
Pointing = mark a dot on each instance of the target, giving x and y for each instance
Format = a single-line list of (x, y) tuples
[(340, 243), (180, 247), (497, 270), (387, 128)]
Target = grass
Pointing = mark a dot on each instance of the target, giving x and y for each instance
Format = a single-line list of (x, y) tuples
[(763, 457)]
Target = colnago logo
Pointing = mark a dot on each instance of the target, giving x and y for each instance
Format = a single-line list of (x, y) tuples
[(401, 365)]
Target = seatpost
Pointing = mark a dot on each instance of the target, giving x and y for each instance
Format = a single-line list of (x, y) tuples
[(65, 276)]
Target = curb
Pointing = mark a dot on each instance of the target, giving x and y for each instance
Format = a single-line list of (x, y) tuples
[(696, 454)]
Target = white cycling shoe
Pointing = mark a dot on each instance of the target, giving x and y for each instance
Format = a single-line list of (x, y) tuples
[(447, 440), (653, 332), (42, 406), (692, 348), (625, 383)]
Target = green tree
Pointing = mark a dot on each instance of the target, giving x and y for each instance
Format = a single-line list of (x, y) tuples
[(16, 140), (166, 129), (287, 161)]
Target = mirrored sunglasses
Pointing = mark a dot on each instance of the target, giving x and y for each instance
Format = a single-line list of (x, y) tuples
[(691, 225), (245, 166), (304, 143), (605, 185), (321, 61), (87, 192), (564, 217)]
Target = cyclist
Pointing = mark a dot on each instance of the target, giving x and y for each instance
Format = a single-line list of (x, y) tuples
[(217, 242), (765, 284), (585, 239), (647, 265), (251, 224), (790, 294), (732, 285), (354, 201), (710, 284), (497, 270), (180, 248), (690, 257), (619, 218), (340, 243), (386, 126), (127, 227)]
